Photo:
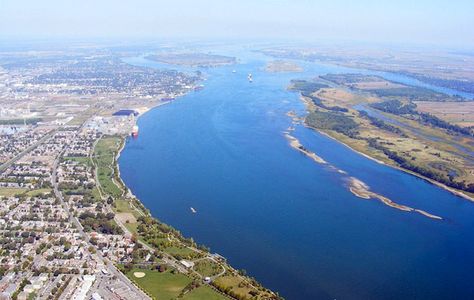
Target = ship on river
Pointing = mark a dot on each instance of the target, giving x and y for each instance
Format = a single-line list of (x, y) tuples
[(135, 131)]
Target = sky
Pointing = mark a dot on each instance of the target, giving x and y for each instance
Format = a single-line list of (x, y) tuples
[(402, 21)]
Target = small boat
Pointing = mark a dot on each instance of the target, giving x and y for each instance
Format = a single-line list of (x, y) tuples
[(250, 77), (193, 210), (234, 71)]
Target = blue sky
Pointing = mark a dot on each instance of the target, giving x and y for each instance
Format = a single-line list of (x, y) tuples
[(415, 21)]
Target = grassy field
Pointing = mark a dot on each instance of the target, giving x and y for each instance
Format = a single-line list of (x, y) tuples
[(9, 192), (160, 285), (169, 286), (37, 192), (203, 293), (95, 193), (126, 214), (104, 156), (236, 285), (181, 251), (123, 206), (81, 118), (132, 227), (335, 96), (82, 160), (207, 267), (433, 150), (460, 113)]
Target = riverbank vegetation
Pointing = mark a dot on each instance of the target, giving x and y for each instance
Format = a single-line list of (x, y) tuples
[(104, 157), (328, 120), (397, 107), (388, 127), (162, 274), (455, 84), (386, 89)]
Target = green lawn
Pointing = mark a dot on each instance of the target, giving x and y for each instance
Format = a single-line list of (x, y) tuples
[(37, 192), (104, 154), (132, 227), (82, 160), (95, 193), (203, 293), (235, 284), (207, 267), (9, 192), (162, 286), (123, 206), (181, 251)]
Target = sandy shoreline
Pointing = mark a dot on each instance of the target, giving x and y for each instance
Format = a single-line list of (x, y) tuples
[(361, 190), (295, 143), (438, 184), (355, 186), (445, 187)]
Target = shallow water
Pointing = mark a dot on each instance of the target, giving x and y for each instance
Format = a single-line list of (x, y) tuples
[(288, 221)]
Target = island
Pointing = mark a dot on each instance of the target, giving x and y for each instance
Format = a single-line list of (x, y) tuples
[(395, 124), (281, 66), (449, 69), (193, 59)]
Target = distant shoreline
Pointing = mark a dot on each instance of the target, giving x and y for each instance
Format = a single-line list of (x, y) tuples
[(282, 66), (193, 59), (453, 191)]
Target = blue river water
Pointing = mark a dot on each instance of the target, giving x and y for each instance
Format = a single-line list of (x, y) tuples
[(292, 223)]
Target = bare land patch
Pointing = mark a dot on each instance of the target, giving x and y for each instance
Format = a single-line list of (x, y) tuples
[(459, 113), (139, 274), (380, 84), (126, 218)]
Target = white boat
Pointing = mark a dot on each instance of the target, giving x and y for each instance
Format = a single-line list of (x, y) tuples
[(193, 210), (250, 77), (234, 71)]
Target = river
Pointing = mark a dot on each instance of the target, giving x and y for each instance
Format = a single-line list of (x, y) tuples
[(292, 223)]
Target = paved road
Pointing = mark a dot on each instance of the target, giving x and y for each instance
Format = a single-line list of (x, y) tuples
[(108, 264), (4, 166)]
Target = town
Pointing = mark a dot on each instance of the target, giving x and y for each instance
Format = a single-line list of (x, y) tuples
[(70, 228)]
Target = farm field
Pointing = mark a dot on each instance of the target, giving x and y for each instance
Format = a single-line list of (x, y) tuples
[(459, 113)]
